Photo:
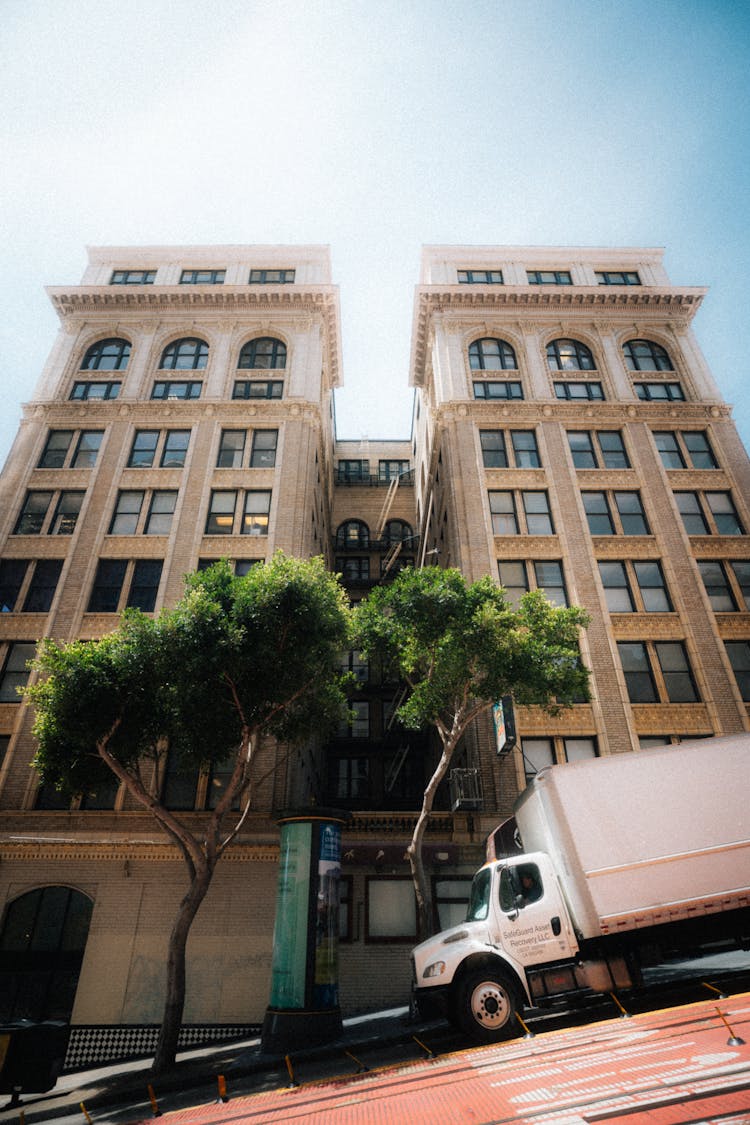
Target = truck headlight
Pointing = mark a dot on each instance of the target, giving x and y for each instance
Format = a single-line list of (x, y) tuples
[(436, 969)]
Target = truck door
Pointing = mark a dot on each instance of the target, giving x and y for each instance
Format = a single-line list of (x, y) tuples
[(530, 919)]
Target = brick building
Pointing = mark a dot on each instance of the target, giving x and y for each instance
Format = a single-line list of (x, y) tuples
[(567, 435)]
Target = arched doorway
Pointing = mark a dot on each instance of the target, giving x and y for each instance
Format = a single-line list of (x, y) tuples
[(42, 943)]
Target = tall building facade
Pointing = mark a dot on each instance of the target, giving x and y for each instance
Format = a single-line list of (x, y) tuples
[(567, 436)]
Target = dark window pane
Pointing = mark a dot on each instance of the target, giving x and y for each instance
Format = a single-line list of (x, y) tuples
[(87, 449), (637, 669), (263, 352), (175, 449), (678, 679), (107, 355), (143, 449), (55, 451), (43, 585), (33, 513), (105, 593), (145, 584), (12, 574), (494, 455)]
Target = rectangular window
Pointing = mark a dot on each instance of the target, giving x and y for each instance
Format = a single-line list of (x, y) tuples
[(651, 586), (161, 510), (349, 779), (739, 657), (508, 389), (231, 449), (180, 786), (263, 452), (352, 470), (86, 392), (580, 749), (177, 389), (690, 510), (639, 677), (220, 520), (255, 516), (66, 513), (550, 580), (258, 388), (126, 513), (390, 910), (353, 570), (708, 513), (56, 449), (617, 591), (724, 513), (699, 450), (87, 449), (175, 449), (669, 450), (600, 449), (741, 571), (525, 449), (143, 449), (536, 753), (630, 511), (42, 587), (549, 277), (659, 392), (612, 449), (33, 513), (133, 277), (202, 277), (494, 455), (12, 574), (503, 511), (513, 579), (678, 678), (579, 392), (480, 277), (391, 469), (14, 673), (355, 722), (598, 514), (617, 277), (717, 586), (145, 584), (538, 518), (271, 277), (105, 593)]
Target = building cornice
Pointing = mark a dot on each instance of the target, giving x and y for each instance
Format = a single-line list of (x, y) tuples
[(578, 302), (234, 300), (40, 848)]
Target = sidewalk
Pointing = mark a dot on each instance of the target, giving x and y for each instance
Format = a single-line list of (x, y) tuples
[(117, 1085)]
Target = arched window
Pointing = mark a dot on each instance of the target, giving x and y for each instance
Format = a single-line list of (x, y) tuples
[(353, 533), (645, 355), (42, 943), (264, 351), (188, 354), (397, 531), (107, 355), (489, 354), (569, 355)]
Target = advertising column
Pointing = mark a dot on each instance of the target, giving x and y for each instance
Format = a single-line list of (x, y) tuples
[(304, 1002)]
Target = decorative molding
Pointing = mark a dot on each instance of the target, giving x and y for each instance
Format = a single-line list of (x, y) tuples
[(66, 850)]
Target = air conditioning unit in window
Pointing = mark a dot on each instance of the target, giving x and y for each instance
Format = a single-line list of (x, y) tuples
[(465, 790)]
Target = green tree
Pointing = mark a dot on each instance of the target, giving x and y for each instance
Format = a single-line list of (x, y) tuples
[(459, 647), (235, 660)]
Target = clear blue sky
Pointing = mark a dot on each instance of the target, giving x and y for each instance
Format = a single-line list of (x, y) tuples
[(374, 128)]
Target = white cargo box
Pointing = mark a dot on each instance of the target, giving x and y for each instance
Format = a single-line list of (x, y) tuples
[(647, 837)]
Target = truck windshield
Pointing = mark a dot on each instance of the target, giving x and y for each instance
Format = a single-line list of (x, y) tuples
[(479, 903)]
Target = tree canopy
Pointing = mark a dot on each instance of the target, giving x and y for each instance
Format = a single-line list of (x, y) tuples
[(460, 647), (237, 658)]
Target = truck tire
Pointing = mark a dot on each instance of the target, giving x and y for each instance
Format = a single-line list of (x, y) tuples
[(486, 1003)]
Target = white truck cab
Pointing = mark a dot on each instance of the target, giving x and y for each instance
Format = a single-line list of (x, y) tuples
[(476, 973)]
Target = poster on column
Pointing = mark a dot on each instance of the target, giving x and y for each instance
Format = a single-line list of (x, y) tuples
[(290, 931), (326, 979)]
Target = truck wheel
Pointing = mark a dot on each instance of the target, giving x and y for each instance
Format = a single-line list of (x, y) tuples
[(486, 1006)]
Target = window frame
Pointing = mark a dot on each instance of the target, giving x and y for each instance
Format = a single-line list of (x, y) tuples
[(556, 277), (193, 277), (273, 389), (260, 347), (116, 348), (175, 355), (489, 390), (657, 354), (81, 391), (133, 277), (263, 279), (654, 672), (574, 356), (646, 391), (530, 516), (601, 457), (472, 277), (375, 909), (479, 354), (165, 390), (613, 511), (683, 454), (617, 277), (706, 513), (12, 676)]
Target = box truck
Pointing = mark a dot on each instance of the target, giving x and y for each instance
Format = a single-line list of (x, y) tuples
[(607, 865)]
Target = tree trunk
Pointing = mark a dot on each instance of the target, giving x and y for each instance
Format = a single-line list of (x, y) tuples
[(174, 1004), (422, 887)]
